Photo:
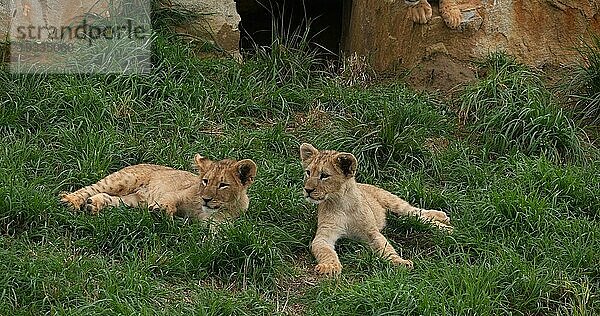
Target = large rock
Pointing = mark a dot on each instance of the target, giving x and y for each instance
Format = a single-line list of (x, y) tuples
[(537, 32), (41, 13), (4, 24), (218, 21), (4, 20)]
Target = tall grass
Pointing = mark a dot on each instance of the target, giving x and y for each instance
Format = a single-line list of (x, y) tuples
[(584, 82), (511, 111), (291, 57), (386, 127)]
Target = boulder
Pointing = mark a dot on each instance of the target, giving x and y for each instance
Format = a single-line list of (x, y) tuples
[(4, 26), (218, 22), (4, 20), (537, 32)]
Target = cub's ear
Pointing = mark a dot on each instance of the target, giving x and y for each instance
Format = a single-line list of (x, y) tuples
[(202, 164), (347, 163), (246, 171), (307, 151)]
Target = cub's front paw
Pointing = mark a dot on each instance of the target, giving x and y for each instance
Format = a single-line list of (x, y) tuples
[(420, 12), (97, 202), (328, 269), (169, 209), (397, 260)]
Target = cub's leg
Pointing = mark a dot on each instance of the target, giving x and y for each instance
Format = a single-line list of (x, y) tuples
[(450, 13), (382, 247), (418, 11), (323, 248), (101, 200), (438, 218), (401, 207), (119, 183)]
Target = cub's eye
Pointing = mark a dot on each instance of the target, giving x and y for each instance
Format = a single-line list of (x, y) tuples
[(308, 173), (324, 176), (223, 185), (205, 181)]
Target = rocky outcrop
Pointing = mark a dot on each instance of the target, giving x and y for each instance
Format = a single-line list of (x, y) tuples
[(4, 20), (537, 32), (4, 25), (218, 22)]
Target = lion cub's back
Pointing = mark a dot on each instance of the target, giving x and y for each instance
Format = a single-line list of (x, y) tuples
[(151, 176), (375, 199), (158, 176), (373, 193)]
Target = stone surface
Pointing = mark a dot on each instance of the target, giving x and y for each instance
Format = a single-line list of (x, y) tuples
[(4, 25), (61, 36), (4, 21), (46, 12), (218, 22), (537, 32)]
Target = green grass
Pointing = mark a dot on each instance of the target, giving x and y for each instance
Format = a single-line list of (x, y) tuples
[(584, 83), (527, 230), (512, 111)]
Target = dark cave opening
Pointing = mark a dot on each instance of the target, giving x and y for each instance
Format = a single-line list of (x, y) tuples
[(329, 21)]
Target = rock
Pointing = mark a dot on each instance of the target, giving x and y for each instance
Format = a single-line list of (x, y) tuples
[(67, 35), (4, 20), (43, 13), (4, 25), (218, 21), (536, 32)]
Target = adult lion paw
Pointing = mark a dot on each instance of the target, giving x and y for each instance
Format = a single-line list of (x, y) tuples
[(328, 269), (450, 13), (420, 12)]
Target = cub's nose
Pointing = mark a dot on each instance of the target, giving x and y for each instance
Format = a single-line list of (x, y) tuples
[(206, 199), (309, 191)]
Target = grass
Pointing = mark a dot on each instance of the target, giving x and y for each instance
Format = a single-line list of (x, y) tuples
[(527, 230), (512, 111), (584, 84)]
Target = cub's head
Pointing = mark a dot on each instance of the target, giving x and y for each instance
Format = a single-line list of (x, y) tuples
[(224, 183), (326, 172)]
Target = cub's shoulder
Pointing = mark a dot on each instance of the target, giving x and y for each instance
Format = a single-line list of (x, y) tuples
[(371, 189)]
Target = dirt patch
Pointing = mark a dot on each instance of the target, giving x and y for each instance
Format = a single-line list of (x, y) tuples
[(441, 72)]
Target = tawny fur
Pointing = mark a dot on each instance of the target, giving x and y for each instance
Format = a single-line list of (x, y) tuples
[(218, 191), (350, 209), (421, 12)]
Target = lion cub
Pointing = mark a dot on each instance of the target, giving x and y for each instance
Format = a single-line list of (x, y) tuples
[(350, 209), (218, 192)]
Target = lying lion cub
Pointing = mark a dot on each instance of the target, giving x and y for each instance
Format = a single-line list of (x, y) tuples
[(220, 186), (350, 209)]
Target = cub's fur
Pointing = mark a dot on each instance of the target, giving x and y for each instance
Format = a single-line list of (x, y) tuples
[(350, 209), (419, 11), (217, 192)]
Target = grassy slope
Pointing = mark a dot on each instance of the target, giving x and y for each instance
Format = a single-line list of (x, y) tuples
[(527, 237)]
